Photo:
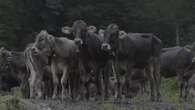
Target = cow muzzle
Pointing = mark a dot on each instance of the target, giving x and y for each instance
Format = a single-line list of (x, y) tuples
[(78, 41), (34, 50), (106, 47)]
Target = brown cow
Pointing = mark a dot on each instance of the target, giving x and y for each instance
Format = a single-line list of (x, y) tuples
[(63, 54), (135, 50)]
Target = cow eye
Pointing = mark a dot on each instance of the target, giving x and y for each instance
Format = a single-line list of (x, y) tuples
[(40, 40), (73, 32)]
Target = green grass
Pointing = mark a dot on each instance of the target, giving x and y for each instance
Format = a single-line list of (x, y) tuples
[(16, 91), (170, 90), (9, 102)]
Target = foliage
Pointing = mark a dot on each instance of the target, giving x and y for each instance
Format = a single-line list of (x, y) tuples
[(21, 19)]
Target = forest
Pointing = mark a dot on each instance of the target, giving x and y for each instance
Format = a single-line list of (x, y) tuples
[(173, 21)]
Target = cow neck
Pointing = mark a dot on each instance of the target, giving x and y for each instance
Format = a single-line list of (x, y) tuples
[(84, 48), (84, 45), (52, 47), (115, 50), (86, 35)]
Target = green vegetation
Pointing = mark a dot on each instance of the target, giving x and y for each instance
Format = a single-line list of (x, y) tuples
[(9, 103), (169, 92)]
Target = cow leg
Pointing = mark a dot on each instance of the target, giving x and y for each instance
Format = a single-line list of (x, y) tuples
[(113, 84), (25, 87), (64, 80), (157, 77), (83, 89), (149, 72), (83, 76), (48, 88), (55, 81), (128, 79), (98, 83), (119, 89), (32, 84), (75, 85), (181, 86), (186, 90), (40, 86), (31, 88), (106, 82), (181, 90), (96, 71), (119, 86)]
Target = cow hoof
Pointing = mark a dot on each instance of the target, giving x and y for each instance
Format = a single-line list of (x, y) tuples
[(63, 97), (159, 99), (93, 99), (54, 97), (181, 100), (152, 99), (117, 100)]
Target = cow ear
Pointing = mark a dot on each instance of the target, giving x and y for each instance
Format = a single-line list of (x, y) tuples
[(66, 30), (2, 48), (51, 39), (101, 31), (91, 29), (43, 33), (101, 34), (122, 34)]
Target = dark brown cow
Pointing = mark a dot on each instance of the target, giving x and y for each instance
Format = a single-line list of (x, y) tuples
[(177, 61), (91, 56), (135, 50), (15, 62)]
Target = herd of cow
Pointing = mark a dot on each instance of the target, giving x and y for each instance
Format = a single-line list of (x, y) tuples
[(91, 65)]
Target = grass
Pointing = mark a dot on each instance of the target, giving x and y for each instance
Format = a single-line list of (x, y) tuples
[(11, 102), (169, 91), (170, 94)]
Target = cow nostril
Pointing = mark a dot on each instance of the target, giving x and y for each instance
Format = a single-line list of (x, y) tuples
[(34, 50), (78, 41), (106, 47), (103, 46)]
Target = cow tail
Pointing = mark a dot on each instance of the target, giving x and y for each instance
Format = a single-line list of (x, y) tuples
[(156, 46)]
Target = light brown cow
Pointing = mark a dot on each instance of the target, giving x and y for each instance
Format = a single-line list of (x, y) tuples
[(62, 53)]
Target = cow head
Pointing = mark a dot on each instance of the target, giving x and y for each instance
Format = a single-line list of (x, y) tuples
[(44, 43), (91, 29), (101, 32), (111, 35), (122, 34), (78, 29)]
